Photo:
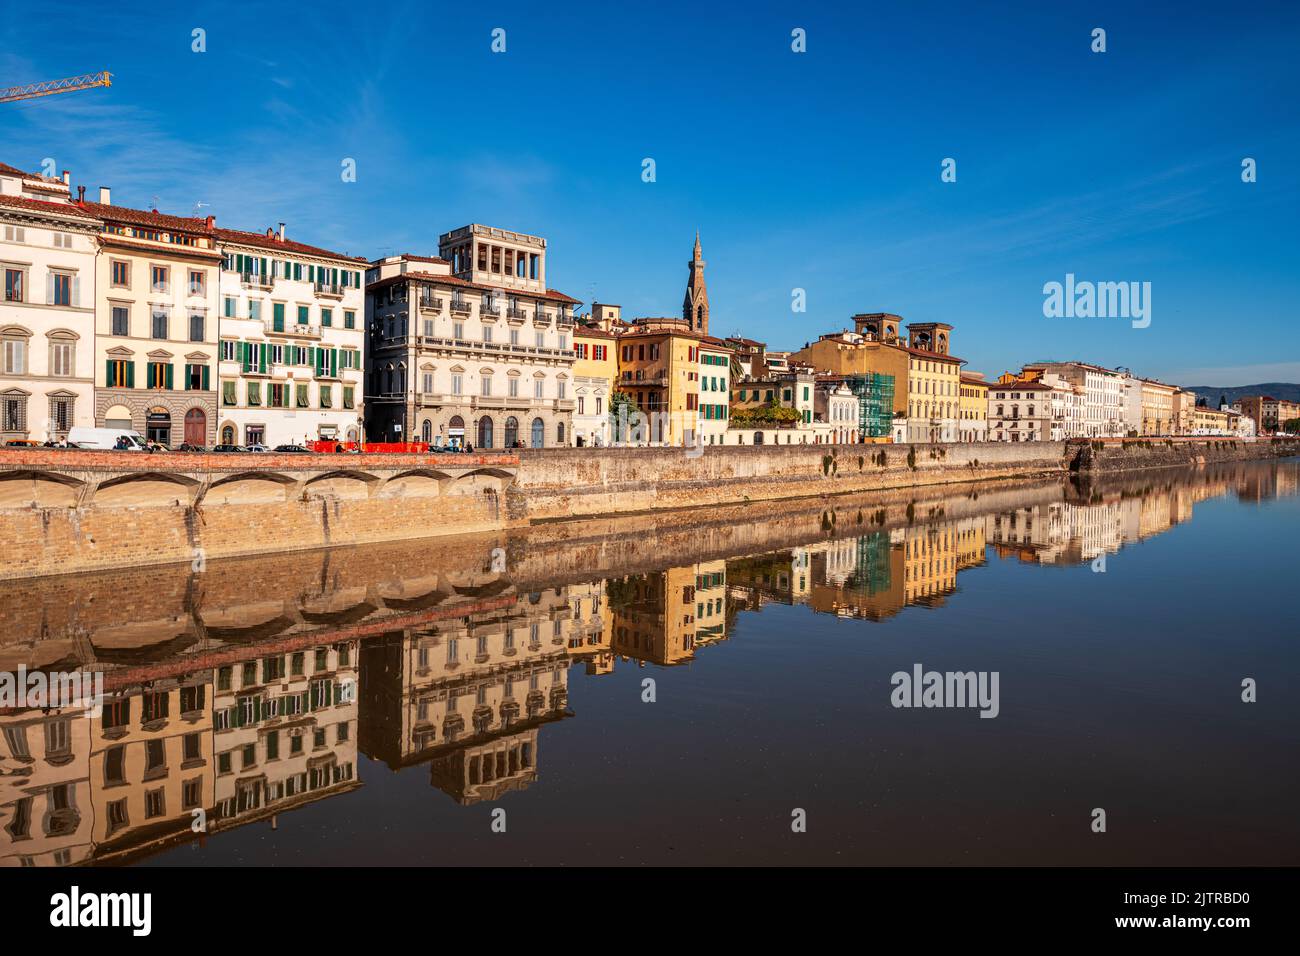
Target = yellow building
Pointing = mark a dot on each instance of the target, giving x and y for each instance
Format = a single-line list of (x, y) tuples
[(151, 764), (46, 814), (848, 353), (926, 376), (678, 380), (1211, 421), (1184, 415), (662, 617), (929, 563), (1157, 408), (595, 373), (972, 419)]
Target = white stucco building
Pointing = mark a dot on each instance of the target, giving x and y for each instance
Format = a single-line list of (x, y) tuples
[(1105, 407), (47, 308), (292, 337)]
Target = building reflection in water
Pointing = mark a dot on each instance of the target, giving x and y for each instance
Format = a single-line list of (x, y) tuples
[(467, 696), (245, 711)]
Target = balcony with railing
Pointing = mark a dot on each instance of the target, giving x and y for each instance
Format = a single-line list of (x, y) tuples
[(565, 319), (541, 319), (275, 326), (328, 290), (489, 310), (516, 314), (430, 303), (499, 349), (252, 280), (460, 306)]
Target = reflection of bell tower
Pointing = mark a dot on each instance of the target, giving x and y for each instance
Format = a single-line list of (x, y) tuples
[(695, 307), (931, 336)]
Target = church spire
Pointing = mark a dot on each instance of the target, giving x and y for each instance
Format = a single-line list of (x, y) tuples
[(695, 307)]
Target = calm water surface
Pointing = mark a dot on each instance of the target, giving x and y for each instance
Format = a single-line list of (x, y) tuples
[(377, 706)]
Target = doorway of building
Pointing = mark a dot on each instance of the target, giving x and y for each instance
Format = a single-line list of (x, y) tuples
[(196, 426), (158, 426)]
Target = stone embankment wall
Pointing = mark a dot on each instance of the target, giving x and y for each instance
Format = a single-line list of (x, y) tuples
[(64, 512), (1131, 454), (586, 482)]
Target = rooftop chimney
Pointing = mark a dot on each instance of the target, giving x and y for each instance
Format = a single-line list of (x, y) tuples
[(282, 232), (105, 196), (210, 222), (81, 194), (67, 177)]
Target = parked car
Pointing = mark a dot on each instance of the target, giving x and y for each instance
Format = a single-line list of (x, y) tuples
[(256, 446), (223, 449), (22, 443), (293, 449), (186, 446), (107, 439)]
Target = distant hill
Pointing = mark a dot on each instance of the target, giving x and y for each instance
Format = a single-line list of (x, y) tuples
[(1285, 390)]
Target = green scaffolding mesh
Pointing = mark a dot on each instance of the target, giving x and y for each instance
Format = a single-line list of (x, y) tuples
[(875, 394)]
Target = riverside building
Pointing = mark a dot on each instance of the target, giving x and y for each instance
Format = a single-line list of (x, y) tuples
[(470, 346), (292, 340), (47, 313)]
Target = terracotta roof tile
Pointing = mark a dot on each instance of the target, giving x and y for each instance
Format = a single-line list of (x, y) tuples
[(8, 170), (144, 217), (925, 353), (42, 205), (261, 240)]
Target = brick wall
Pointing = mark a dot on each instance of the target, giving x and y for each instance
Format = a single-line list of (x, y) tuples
[(77, 459)]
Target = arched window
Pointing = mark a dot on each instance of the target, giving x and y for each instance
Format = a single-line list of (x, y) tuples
[(426, 431), (758, 438), (539, 433), (485, 432), (559, 433), (512, 432), (228, 434)]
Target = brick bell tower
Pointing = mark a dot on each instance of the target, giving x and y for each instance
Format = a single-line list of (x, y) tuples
[(695, 307)]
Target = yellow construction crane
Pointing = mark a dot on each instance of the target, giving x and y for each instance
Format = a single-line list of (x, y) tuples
[(70, 85)]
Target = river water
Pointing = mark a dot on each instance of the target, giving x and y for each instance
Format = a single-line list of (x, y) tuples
[(711, 687)]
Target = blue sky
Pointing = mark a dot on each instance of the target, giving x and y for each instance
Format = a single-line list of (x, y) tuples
[(818, 171)]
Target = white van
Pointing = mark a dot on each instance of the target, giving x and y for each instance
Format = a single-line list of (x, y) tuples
[(106, 439)]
